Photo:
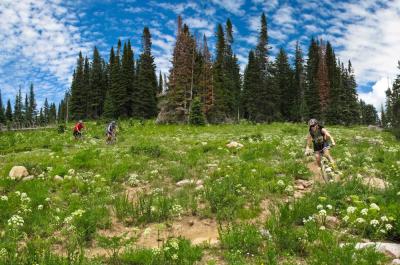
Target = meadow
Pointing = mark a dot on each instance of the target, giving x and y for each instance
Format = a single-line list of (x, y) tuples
[(218, 194)]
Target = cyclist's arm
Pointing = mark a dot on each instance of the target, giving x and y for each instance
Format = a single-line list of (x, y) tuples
[(328, 136)]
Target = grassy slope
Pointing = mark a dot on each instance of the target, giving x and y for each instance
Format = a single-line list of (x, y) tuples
[(235, 183)]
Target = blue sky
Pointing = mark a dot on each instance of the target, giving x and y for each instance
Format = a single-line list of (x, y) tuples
[(40, 39)]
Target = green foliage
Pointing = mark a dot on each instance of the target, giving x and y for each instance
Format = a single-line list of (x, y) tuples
[(242, 238), (196, 116)]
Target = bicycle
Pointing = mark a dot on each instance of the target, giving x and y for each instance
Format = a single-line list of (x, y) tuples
[(111, 139)]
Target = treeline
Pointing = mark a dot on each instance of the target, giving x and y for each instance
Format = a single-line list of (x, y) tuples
[(323, 87), (391, 115), (24, 113), (119, 88)]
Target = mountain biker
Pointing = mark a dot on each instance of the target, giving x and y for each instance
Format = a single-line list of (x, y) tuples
[(79, 126), (110, 132), (320, 138)]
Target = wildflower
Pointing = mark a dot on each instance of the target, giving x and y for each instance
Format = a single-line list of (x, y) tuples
[(346, 218), (329, 207), (351, 209), (322, 212), (388, 227), (374, 222), (360, 220), (78, 213), (384, 218), (47, 199), (153, 209), (16, 221), (155, 251), (3, 253), (40, 207), (174, 243), (289, 188), (253, 170), (174, 257), (177, 209), (320, 207), (71, 171), (364, 211), (382, 231), (374, 206), (49, 169), (133, 180), (281, 183), (322, 198), (322, 227), (147, 231), (4, 198)]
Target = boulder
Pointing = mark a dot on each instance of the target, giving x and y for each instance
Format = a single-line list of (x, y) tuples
[(375, 182), (304, 183), (18, 172), (396, 261), (389, 249), (30, 177), (375, 128), (234, 144)]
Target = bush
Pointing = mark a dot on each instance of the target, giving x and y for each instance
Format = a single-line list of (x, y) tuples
[(243, 238), (196, 116)]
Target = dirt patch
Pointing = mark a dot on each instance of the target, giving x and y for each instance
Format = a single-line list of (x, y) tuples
[(316, 172), (197, 230)]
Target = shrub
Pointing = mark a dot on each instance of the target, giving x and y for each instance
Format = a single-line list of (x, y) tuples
[(196, 116), (244, 238)]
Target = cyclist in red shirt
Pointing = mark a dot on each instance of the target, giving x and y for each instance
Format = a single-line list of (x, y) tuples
[(78, 129)]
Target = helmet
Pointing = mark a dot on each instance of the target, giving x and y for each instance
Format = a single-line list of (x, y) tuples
[(312, 122), (80, 121), (113, 122)]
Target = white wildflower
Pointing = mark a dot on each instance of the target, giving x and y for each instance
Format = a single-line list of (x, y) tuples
[(174, 243), (351, 209), (3, 253), (322, 227), (364, 211), (71, 171), (40, 207), (322, 212), (16, 221), (388, 227), (360, 220), (281, 183), (346, 218), (374, 206), (174, 257), (382, 231), (289, 188), (329, 207), (147, 231), (384, 218), (4, 198), (320, 207), (374, 222)]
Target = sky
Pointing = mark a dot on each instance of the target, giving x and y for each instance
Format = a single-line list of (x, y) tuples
[(40, 39)]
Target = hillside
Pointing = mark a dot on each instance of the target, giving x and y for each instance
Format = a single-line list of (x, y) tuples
[(221, 194)]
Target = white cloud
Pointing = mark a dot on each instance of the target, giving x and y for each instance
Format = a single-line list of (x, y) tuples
[(371, 39), (35, 38), (377, 96), (233, 6)]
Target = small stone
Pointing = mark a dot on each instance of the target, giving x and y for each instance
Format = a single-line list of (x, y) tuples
[(184, 182), (200, 187), (30, 177), (58, 178), (375, 182), (199, 182), (191, 222), (304, 183), (396, 261), (18, 172), (299, 187), (332, 221)]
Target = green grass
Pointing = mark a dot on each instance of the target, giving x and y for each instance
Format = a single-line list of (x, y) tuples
[(236, 181)]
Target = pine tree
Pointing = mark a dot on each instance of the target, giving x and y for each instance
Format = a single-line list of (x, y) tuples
[(32, 105), (108, 112), (46, 111), (219, 109), (351, 102), (395, 104), (18, 115), (160, 84), (283, 82), (97, 86), (206, 83), (86, 87), (127, 79), (383, 117), (9, 114), (147, 79), (311, 95), (196, 116), (323, 81), (78, 97), (299, 110), (26, 111), (2, 111)]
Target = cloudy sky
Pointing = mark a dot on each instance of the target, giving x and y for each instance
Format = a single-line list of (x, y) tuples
[(40, 39)]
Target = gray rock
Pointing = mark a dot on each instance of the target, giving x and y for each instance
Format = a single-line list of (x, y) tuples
[(389, 249), (184, 182), (332, 221), (18, 172), (375, 182), (396, 261)]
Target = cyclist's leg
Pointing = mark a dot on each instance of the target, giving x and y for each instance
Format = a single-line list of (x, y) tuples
[(327, 154)]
